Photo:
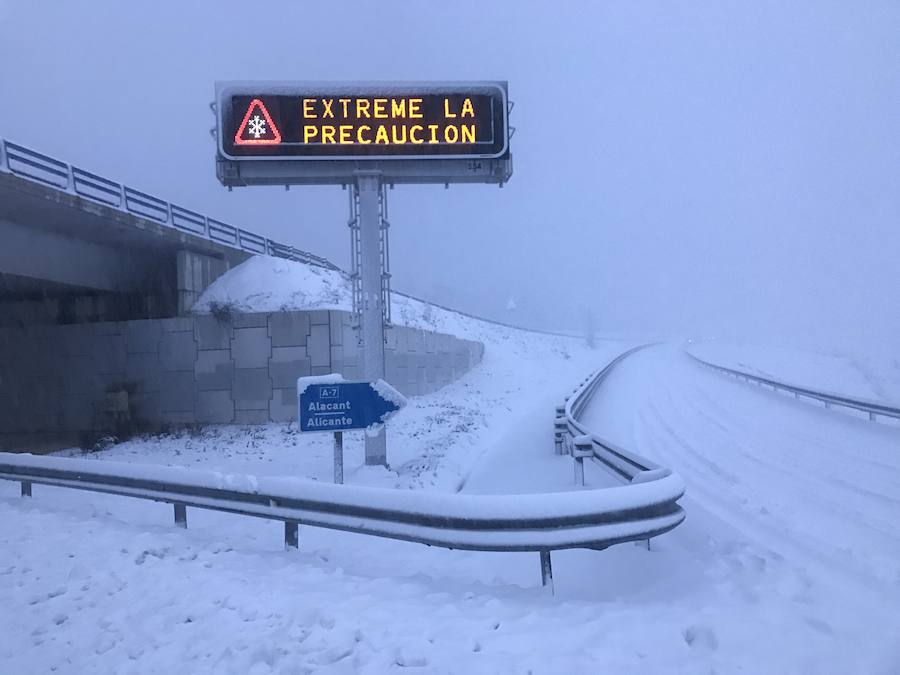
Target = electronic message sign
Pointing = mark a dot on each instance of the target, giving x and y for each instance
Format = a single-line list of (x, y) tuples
[(391, 121)]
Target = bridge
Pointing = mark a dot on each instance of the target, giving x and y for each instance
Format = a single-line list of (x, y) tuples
[(80, 247)]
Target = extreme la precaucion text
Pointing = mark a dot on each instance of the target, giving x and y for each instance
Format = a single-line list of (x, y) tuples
[(356, 121)]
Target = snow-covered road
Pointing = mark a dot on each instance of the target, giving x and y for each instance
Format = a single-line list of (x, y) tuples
[(813, 491)]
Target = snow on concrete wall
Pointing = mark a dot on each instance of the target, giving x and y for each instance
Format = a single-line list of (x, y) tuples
[(59, 384)]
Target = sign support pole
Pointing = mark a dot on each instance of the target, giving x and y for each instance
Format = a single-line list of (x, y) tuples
[(339, 457), (371, 347)]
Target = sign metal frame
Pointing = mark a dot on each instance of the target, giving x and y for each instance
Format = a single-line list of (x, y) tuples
[(263, 169)]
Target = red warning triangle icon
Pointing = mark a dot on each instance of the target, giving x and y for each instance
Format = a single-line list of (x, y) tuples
[(257, 127)]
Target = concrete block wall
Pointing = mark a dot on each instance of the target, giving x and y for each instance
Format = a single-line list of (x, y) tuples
[(56, 381)]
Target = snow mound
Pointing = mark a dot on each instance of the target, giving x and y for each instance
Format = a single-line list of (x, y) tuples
[(267, 284)]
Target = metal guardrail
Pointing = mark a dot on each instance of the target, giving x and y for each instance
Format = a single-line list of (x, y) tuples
[(538, 522), (571, 432), (874, 409), (35, 166)]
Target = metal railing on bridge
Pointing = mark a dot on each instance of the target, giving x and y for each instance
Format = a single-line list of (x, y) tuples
[(873, 409), (35, 166)]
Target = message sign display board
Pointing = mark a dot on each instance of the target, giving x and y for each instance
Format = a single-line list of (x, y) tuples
[(315, 132), (363, 122)]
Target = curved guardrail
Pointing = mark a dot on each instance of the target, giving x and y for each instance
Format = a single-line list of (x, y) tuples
[(626, 465), (874, 409)]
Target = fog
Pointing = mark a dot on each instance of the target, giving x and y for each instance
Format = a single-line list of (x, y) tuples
[(702, 168)]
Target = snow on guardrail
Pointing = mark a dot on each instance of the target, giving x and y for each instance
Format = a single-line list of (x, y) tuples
[(874, 409)]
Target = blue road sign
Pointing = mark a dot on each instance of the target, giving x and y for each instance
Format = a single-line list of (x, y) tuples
[(329, 404)]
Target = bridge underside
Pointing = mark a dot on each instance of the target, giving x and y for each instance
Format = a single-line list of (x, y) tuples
[(66, 259)]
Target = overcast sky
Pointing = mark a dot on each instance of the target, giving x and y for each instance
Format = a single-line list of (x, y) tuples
[(713, 168)]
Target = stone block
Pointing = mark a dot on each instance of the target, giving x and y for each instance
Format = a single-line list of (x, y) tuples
[(251, 388), (251, 320), (142, 371), (77, 413), (146, 407), (283, 406), (251, 347), (319, 317), (349, 370), (321, 370), (285, 373), (319, 346), (143, 336), (285, 354), (177, 324), (394, 360), (289, 329), (211, 333), (109, 353), (337, 355), (213, 369), (215, 407), (349, 337), (251, 416), (177, 418), (109, 328), (80, 376), (76, 340), (177, 351), (46, 394), (337, 322), (421, 379), (391, 338), (41, 357), (176, 389)]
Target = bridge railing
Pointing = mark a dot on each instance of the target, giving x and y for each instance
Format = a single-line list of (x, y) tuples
[(41, 168), (873, 409)]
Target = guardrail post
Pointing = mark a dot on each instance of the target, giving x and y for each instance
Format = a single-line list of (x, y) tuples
[(547, 571), (291, 535), (871, 416), (181, 516), (339, 457), (582, 446), (26, 488), (559, 432)]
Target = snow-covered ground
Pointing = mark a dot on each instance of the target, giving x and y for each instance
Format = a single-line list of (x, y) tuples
[(854, 375), (788, 562)]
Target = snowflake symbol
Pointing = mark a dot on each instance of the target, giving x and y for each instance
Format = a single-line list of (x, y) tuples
[(256, 127)]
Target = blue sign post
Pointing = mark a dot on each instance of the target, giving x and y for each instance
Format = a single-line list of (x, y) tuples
[(329, 403)]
